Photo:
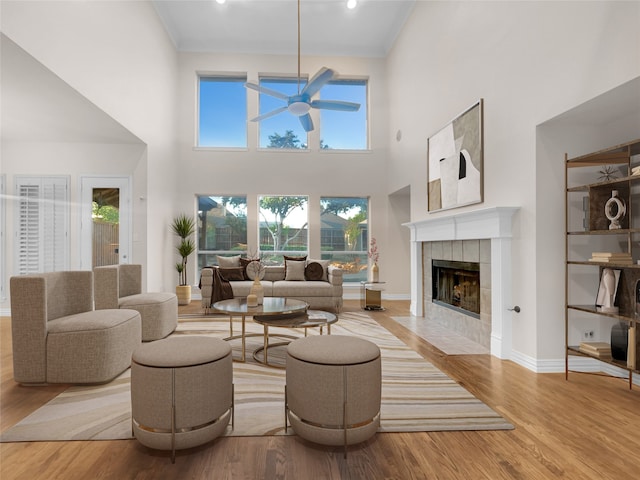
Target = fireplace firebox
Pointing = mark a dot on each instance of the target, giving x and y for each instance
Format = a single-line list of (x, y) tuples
[(456, 285)]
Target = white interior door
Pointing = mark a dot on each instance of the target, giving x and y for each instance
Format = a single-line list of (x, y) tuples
[(105, 229)]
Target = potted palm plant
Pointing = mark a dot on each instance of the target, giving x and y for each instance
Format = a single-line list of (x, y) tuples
[(184, 227)]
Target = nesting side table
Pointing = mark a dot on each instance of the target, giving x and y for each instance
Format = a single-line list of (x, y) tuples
[(371, 295)]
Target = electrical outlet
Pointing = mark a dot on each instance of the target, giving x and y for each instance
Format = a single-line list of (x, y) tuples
[(587, 334)]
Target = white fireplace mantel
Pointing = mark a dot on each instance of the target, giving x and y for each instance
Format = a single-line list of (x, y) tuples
[(488, 223)]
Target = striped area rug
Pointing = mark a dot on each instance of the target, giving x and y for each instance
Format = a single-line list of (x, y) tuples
[(416, 396)]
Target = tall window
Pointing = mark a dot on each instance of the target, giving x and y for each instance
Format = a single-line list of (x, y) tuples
[(344, 236), (42, 224), (344, 130), (283, 227), (283, 130), (222, 228), (222, 114)]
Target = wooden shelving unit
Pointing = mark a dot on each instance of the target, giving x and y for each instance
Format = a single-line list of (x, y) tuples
[(587, 231)]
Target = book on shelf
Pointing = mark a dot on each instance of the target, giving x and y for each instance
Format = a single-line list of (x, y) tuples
[(631, 347), (613, 261), (597, 349), (610, 257)]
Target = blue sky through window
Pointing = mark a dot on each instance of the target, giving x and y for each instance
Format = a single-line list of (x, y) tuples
[(345, 130), (223, 112), (284, 121)]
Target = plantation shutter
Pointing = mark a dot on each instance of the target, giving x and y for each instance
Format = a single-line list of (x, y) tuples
[(43, 219)]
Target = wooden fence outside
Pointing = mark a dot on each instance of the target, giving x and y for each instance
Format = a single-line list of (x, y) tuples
[(106, 243)]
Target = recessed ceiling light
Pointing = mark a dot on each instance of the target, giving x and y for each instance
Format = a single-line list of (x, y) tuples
[(221, 1), (351, 4)]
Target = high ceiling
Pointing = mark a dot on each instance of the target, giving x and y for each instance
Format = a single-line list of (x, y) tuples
[(328, 27)]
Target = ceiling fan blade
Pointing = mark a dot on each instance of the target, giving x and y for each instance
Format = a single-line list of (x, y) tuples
[(266, 91), (318, 81), (269, 114), (306, 122), (335, 105)]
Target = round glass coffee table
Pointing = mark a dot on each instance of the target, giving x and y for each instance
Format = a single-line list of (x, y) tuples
[(271, 306), (310, 319)]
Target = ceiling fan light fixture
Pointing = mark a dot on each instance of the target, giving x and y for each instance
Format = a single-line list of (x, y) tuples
[(298, 108), (300, 104)]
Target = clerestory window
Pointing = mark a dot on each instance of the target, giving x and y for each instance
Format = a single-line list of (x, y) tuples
[(284, 129), (222, 111), (339, 130), (344, 130)]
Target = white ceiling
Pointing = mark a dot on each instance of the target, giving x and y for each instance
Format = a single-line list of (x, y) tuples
[(327, 27)]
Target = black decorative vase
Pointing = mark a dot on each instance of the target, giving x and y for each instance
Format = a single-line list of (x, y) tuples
[(619, 341)]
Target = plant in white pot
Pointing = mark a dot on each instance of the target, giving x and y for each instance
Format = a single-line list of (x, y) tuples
[(184, 227)]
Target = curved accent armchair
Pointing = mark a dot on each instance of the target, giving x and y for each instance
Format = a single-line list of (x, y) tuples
[(59, 338), (120, 286)]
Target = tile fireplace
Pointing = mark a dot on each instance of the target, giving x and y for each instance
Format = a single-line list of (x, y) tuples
[(482, 236)]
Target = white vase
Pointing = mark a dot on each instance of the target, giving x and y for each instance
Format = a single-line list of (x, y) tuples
[(258, 290), (374, 273)]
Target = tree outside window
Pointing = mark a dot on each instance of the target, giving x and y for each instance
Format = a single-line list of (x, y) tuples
[(344, 236), (283, 227), (283, 124), (222, 227)]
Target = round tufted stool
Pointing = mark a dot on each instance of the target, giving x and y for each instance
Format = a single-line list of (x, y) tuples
[(333, 389), (181, 392)]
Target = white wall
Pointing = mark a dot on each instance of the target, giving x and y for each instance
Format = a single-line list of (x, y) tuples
[(529, 61), (118, 56), (314, 172)]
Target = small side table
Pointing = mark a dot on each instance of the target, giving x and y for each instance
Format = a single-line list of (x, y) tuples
[(371, 295)]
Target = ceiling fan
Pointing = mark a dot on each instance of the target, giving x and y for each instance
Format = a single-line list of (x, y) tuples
[(301, 103)]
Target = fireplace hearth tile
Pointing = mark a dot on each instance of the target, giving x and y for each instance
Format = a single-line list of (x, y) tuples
[(441, 337)]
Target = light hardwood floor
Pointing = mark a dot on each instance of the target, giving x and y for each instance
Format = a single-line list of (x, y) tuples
[(584, 428)]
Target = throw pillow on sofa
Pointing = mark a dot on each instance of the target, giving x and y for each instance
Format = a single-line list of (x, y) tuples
[(292, 259), (314, 272), (228, 262), (232, 274), (294, 270), (325, 269)]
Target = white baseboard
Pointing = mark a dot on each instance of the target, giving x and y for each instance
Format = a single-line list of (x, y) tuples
[(576, 364)]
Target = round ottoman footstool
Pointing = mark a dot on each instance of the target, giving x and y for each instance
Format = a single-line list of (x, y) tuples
[(181, 392), (333, 389)]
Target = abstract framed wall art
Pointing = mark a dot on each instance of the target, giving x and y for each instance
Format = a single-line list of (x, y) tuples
[(455, 162)]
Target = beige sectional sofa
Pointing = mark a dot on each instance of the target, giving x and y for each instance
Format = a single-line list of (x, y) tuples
[(325, 294)]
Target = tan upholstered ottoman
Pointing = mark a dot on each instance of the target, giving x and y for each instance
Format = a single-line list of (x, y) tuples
[(333, 389), (181, 392)]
